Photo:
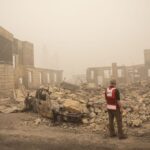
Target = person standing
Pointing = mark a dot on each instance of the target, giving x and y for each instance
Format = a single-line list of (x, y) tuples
[(112, 96)]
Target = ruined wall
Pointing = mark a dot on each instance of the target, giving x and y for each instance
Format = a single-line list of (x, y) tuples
[(17, 65), (6, 46), (99, 75), (28, 54), (6, 80), (147, 62), (17, 51), (35, 77), (123, 74), (59, 74), (6, 67), (32, 78), (147, 57), (24, 51)]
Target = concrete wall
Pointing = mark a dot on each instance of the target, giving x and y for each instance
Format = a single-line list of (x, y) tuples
[(17, 66), (147, 57), (17, 51), (35, 77), (6, 60), (6, 46), (99, 75), (147, 62), (123, 74), (28, 53), (7, 35), (6, 80), (24, 51)]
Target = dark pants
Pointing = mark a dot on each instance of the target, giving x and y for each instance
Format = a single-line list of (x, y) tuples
[(115, 114)]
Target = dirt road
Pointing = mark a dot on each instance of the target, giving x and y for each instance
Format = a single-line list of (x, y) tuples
[(19, 132)]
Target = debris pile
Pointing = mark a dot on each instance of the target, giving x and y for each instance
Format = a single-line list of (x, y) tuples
[(14, 103), (136, 104), (90, 105), (87, 106)]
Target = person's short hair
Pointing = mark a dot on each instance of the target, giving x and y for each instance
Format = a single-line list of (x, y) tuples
[(112, 82)]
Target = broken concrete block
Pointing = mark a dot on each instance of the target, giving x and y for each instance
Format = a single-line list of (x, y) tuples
[(37, 121), (92, 115), (85, 121), (72, 106), (136, 123)]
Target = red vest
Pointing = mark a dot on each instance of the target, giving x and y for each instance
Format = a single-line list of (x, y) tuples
[(110, 95)]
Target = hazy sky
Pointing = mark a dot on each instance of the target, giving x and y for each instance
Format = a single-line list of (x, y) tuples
[(76, 34)]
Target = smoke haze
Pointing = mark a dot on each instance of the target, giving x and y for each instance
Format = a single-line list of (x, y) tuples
[(75, 34)]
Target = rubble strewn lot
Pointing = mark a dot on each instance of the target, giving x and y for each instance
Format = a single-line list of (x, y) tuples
[(83, 110), (89, 105)]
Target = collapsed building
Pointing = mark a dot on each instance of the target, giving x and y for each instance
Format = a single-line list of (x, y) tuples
[(70, 102), (17, 66), (123, 74)]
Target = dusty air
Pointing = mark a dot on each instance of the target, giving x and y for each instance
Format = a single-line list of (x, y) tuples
[(74, 75)]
